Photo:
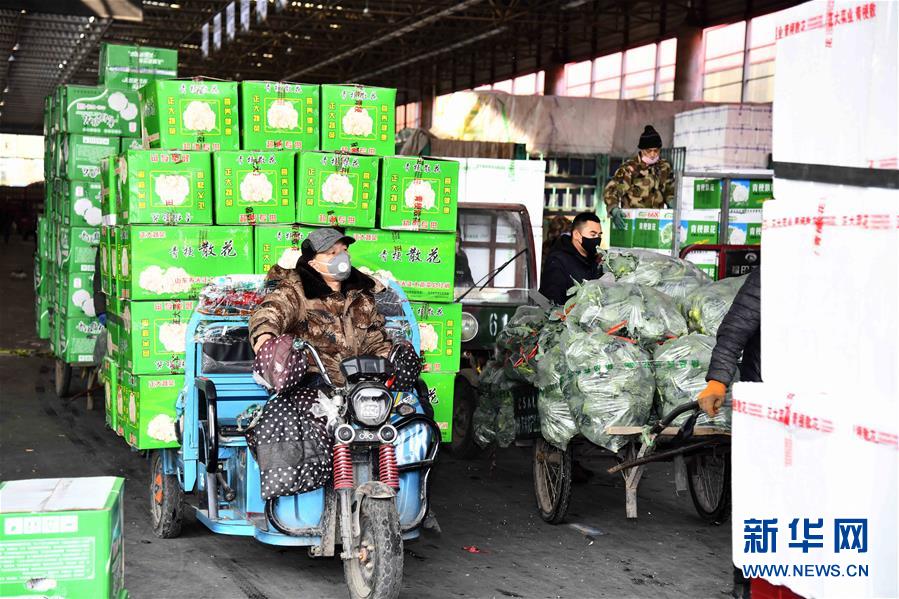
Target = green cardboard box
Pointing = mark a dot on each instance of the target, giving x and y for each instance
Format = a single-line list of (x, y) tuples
[(707, 262), (270, 242), (164, 262), (419, 194), (62, 537), (654, 229), (707, 194), (254, 187), (440, 330), (108, 188), (110, 377), (279, 115), (760, 191), (423, 264), (160, 186), (739, 194), (182, 114), (79, 155), (698, 226), (335, 189), (99, 111), (745, 227), (131, 143), (81, 204), (153, 335), (76, 295), (358, 119), (42, 298), (624, 238), (77, 337), (150, 409), (132, 67), (441, 387), (77, 248)]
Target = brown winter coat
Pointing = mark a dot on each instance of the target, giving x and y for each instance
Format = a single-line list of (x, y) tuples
[(339, 325)]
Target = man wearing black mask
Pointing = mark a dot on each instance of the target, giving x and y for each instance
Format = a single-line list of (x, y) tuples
[(572, 259)]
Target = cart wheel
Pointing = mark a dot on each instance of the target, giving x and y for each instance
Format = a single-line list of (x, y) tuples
[(464, 402), (709, 479), (552, 481), (63, 379), (165, 500)]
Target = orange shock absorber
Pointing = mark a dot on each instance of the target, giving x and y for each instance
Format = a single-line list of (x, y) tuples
[(387, 468), (343, 467)]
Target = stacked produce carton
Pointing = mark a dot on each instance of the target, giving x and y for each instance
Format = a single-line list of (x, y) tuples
[(732, 136)]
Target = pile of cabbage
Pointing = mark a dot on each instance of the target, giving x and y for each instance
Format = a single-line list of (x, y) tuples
[(624, 350)]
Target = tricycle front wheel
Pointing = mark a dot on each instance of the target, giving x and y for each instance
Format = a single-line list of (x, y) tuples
[(709, 480), (552, 480), (376, 570), (166, 498)]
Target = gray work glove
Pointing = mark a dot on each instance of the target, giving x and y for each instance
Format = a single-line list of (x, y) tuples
[(617, 217)]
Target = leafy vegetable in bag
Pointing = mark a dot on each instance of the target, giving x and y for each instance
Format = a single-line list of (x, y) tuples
[(672, 276), (493, 420), (706, 307)]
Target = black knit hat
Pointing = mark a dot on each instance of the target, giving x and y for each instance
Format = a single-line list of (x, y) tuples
[(650, 139)]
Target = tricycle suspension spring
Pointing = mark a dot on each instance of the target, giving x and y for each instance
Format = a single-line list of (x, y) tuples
[(343, 467), (387, 468)]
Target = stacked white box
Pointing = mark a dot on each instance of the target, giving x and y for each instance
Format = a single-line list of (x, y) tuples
[(725, 137), (816, 456)]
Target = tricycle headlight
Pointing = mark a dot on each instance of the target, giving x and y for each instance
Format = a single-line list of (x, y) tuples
[(469, 327), (371, 405)]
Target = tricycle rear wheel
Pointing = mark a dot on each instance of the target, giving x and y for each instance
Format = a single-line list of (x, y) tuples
[(166, 498), (552, 480), (462, 443), (376, 571), (709, 481), (62, 379)]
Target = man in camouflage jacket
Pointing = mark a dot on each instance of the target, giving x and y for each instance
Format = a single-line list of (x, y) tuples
[(643, 181)]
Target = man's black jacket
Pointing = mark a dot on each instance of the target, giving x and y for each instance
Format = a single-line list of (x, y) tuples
[(740, 333), (563, 266)]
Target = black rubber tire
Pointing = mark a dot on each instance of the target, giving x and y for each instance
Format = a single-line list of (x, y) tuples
[(381, 577), (708, 477), (62, 380), (166, 497), (462, 443), (552, 487)]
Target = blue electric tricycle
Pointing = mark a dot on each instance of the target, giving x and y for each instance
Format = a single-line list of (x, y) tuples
[(384, 446)]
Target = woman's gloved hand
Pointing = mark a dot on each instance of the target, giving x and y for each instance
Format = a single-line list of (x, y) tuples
[(406, 365), (712, 397), (280, 364), (617, 217)]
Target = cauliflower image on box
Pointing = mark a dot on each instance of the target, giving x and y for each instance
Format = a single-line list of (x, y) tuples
[(132, 408), (666, 235), (337, 189), (118, 102), (171, 280), (739, 194), (256, 187), (126, 318), (120, 402), (420, 195), (125, 262), (282, 115), (172, 189), (430, 340), (358, 122), (384, 276), (172, 336), (198, 116), (162, 428), (736, 235)]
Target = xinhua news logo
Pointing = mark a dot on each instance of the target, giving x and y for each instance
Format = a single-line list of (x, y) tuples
[(809, 536)]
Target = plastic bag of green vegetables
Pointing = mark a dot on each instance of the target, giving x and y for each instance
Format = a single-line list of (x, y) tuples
[(612, 384), (517, 342), (493, 420), (706, 307), (557, 423), (680, 367), (672, 276), (625, 309)]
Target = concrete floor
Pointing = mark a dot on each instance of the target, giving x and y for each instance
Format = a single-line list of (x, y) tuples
[(669, 552)]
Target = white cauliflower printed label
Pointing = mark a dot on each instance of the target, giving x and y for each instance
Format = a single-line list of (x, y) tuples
[(739, 194), (198, 116), (171, 280), (172, 190), (162, 428), (132, 408), (337, 189), (120, 401), (125, 262), (430, 340), (736, 236), (119, 102), (126, 318), (358, 122), (420, 195), (282, 115), (289, 258), (172, 336), (256, 187)]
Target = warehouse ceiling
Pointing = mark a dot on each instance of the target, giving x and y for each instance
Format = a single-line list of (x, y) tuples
[(417, 46)]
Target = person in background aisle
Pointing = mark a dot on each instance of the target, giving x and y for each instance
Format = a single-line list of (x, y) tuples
[(99, 296), (557, 226), (572, 259), (739, 335), (642, 181)]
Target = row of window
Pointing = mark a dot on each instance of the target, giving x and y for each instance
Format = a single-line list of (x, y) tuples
[(738, 66)]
